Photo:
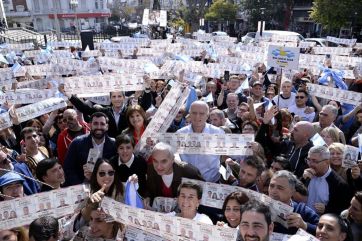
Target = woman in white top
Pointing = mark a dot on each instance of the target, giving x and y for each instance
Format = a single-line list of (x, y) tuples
[(188, 200)]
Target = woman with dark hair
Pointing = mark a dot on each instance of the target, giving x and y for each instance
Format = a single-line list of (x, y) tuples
[(189, 196), (333, 228), (137, 122), (104, 181), (231, 209)]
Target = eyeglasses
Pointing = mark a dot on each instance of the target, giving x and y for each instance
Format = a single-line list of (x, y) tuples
[(299, 97), (314, 161), (102, 174)]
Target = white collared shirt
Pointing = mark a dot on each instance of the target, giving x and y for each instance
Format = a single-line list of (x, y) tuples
[(117, 115), (99, 147), (318, 190), (128, 164)]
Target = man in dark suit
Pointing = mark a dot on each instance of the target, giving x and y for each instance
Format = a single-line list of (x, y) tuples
[(328, 192), (78, 150), (165, 174)]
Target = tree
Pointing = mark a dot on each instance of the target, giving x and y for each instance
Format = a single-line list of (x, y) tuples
[(193, 11), (221, 10), (336, 14), (276, 13)]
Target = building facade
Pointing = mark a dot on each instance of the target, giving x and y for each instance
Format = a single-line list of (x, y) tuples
[(43, 15)]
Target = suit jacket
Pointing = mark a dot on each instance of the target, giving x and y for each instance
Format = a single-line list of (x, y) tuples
[(77, 156), (180, 170), (339, 194)]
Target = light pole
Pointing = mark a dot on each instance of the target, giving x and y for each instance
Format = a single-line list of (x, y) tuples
[(74, 5)]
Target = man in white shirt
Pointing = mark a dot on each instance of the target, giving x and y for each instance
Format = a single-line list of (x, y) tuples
[(286, 98), (208, 165), (300, 107)]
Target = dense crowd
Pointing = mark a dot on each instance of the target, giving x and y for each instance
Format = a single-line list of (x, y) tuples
[(93, 144)]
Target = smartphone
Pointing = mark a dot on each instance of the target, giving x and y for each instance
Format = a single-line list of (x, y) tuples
[(226, 75)]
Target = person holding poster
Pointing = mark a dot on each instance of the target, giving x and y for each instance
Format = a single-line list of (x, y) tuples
[(350, 175), (77, 154), (208, 165), (189, 196), (165, 174), (282, 188), (231, 209)]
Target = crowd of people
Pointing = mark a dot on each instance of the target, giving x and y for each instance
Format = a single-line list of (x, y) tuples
[(53, 151)]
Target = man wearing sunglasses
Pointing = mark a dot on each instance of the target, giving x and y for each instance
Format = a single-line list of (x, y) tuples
[(300, 106)]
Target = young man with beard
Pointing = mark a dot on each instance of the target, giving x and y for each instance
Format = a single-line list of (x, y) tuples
[(255, 222), (78, 150)]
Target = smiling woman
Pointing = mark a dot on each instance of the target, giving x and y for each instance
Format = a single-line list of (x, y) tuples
[(137, 122), (188, 200)]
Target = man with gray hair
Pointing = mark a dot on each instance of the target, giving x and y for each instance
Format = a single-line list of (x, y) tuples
[(281, 188), (217, 118), (328, 192), (165, 174), (208, 165), (327, 116)]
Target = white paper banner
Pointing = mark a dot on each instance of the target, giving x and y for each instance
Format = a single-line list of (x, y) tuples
[(90, 86), (350, 156), (5, 121), (166, 113), (34, 110), (213, 195), (209, 144), (345, 41), (330, 93), (22, 211), (162, 225), (26, 96)]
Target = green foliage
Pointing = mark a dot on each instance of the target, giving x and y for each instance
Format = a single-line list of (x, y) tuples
[(276, 13), (221, 10), (336, 14), (177, 22), (192, 12)]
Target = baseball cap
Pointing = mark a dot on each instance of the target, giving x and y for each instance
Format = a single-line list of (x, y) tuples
[(9, 178)]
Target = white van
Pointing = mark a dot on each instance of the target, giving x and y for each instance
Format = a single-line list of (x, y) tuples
[(277, 33)]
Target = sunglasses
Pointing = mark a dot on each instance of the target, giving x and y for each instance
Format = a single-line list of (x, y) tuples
[(102, 174), (299, 97)]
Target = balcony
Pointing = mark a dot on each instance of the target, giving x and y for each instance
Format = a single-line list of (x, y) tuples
[(18, 14)]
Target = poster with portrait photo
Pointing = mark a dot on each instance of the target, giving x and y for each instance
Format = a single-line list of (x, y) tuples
[(63, 202), (133, 234), (8, 213), (350, 156), (168, 226), (45, 204), (149, 221), (26, 208), (79, 195), (185, 228), (164, 204)]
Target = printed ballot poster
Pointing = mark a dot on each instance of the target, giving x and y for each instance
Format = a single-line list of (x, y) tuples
[(283, 57)]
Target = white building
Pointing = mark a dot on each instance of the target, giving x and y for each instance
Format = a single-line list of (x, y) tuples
[(42, 14)]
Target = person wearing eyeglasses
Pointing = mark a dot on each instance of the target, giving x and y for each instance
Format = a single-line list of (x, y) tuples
[(327, 116), (328, 192), (300, 107), (103, 182)]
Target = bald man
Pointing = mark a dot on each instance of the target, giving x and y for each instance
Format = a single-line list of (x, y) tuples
[(208, 165), (74, 129), (299, 146)]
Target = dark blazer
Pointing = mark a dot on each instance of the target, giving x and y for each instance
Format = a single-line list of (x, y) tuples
[(340, 194), (180, 170), (77, 156), (113, 129), (138, 167)]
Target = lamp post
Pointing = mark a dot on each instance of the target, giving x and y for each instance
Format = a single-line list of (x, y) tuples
[(74, 5)]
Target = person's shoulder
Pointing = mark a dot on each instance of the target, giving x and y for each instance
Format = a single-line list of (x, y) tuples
[(214, 129), (184, 129)]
